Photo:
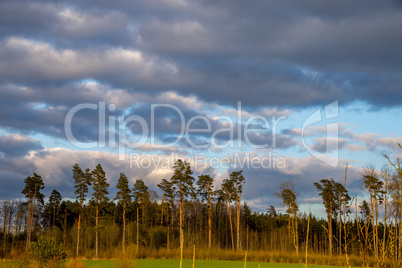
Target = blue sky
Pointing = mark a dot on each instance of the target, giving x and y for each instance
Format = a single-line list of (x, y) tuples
[(284, 59)]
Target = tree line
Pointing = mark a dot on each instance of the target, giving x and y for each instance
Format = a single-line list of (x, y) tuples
[(190, 211)]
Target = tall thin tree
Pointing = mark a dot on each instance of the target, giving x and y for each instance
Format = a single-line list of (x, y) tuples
[(227, 193), (169, 192), (164, 186), (375, 189), (54, 201), (288, 194), (327, 190), (183, 180), (32, 191), (81, 182), (237, 179), (99, 198), (206, 189), (141, 197), (124, 196)]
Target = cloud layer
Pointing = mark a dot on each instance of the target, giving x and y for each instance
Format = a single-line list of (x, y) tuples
[(279, 58)]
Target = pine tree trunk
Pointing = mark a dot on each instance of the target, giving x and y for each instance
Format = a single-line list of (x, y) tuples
[(181, 230), (50, 218), (54, 215), (124, 228), (289, 236), (237, 218), (376, 229), (385, 225), (330, 229), (30, 219), (13, 243), (65, 228), (247, 240), (96, 233), (400, 235), (162, 205), (5, 230), (296, 240), (340, 232), (168, 229), (231, 226), (138, 228), (209, 221), (78, 231)]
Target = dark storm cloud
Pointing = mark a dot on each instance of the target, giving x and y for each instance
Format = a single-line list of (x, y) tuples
[(286, 53), (27, 111), (28, 119), (17, 145), (62, 24), (11, 185)]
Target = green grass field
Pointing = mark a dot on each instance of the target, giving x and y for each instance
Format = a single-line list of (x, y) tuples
[(198, 264)]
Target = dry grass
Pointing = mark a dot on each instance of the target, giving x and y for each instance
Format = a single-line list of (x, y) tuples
[(256, 256), (128, 259), (75, 264)]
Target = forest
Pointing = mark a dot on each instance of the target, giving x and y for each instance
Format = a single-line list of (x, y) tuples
[(190, 213)]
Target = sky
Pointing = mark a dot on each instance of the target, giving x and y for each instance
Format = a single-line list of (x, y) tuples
[(279, 89)]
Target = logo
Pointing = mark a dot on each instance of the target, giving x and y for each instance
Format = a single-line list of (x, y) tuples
[(331, 154)]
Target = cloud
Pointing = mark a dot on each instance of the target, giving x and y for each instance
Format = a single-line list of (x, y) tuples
[(11, 185), (276, 57), (55, 167), (266, 54), (25, 60), (18, 145)]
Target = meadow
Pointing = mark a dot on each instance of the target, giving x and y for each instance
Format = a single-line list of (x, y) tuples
[(173, 263)]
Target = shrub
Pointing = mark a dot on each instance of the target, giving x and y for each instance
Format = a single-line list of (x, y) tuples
[(158, 238), (46, 252)]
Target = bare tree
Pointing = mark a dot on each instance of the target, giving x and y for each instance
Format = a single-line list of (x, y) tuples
[(7, 208), (396, 189)]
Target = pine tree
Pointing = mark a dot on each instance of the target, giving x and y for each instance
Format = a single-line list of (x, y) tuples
[(227, 193), (237, 179), (81, 182), (375, 188), (33, 186), (206, 190), (141, 196), (341, 197), (124, 196), (99, 198), (326, 189), (271, 211), (164, 185), (183, 180), (247, 222), (288, 194), (54, 201), (168, 198)]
